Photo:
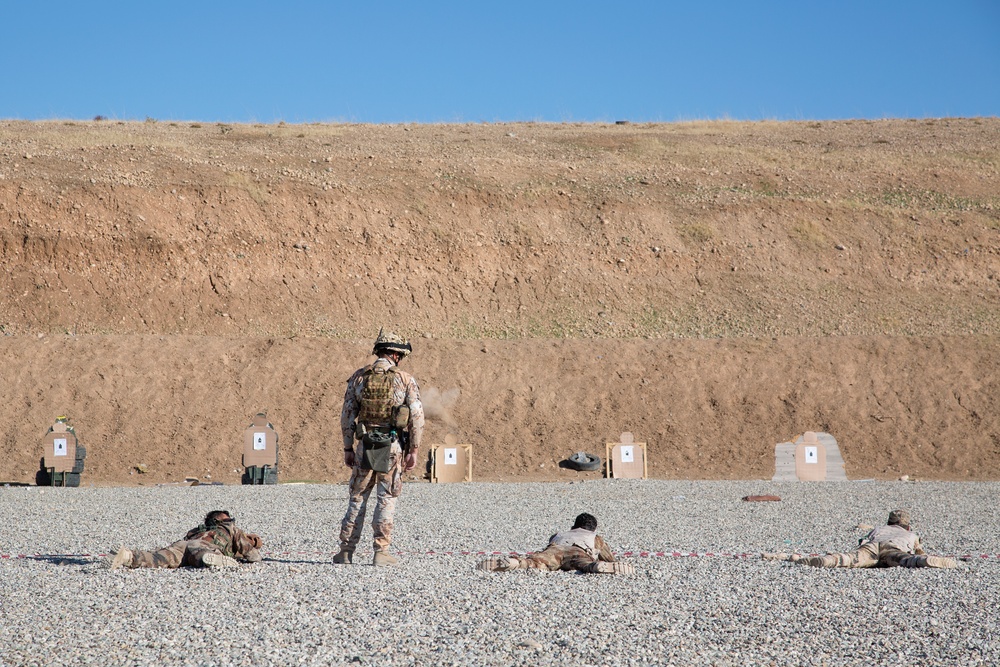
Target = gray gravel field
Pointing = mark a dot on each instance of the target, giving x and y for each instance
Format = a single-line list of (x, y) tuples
[(60, 604)]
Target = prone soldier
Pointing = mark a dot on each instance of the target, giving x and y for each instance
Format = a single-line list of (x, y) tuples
[(579, 548), (215, 543), (891, 545)]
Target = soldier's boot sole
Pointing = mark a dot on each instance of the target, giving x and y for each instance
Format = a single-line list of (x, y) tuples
[(942, 562), (383, 559), (615, 568), (497, 564), (218, 560), (343, 557), (775, 556), (123, 558)]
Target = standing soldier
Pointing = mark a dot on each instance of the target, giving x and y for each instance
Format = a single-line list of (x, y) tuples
[(579, 548), (382, 411), (215, 543), (891, 545)]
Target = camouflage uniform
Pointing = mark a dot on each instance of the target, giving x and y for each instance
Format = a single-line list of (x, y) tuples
[(225, 540), (892, 545), (577, 549), (363, 480)]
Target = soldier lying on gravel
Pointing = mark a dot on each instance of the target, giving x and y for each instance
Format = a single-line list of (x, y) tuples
[(215, 543), (580, 549), (891, 545)]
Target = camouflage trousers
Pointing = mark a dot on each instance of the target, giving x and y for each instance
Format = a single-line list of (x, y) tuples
[(870, 555), (181, 552), (554, 558), (387, 486)]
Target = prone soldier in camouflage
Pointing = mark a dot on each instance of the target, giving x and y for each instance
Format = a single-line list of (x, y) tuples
[(383, 413), (891, 545), (580, 549), (215, 543)]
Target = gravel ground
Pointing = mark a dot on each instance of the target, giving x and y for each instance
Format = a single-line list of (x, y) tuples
[(61, 605)]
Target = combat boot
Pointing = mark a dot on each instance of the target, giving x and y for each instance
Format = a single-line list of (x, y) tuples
[(122, 559), (343, 557), (942, 562), (614, 568), (218, 560), (383, 558), (775, 556), (253, 556), (497, 564)]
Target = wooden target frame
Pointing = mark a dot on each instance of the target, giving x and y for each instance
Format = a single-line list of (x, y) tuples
[(626, 459), (451, 462)]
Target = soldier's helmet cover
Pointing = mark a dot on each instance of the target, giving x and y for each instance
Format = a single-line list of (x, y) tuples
[(214, 518), (390, 342), (900, 518)]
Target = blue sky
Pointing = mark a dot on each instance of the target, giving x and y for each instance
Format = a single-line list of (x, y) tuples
[(481, 60)]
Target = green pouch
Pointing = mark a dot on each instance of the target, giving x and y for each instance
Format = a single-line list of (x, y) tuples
[(376, 451)]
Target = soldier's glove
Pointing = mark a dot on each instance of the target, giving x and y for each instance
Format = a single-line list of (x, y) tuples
[(349, 458), (255, 539)]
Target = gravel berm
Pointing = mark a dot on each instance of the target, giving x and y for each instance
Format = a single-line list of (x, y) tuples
[(60, 604)]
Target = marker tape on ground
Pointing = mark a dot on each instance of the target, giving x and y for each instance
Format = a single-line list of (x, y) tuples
[(624, 554)]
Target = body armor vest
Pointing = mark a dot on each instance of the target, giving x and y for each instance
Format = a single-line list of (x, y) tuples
[(377, 397), (577, 537)]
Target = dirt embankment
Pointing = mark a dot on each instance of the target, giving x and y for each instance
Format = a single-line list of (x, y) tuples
[(715, 288)]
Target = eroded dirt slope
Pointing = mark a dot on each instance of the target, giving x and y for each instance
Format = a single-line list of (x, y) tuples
[(713, 287)]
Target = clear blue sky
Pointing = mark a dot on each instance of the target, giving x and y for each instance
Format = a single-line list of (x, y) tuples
[(482, 60)]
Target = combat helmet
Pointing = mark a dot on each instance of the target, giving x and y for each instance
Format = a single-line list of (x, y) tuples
[(899, 518), (214, 518), (390, 342)]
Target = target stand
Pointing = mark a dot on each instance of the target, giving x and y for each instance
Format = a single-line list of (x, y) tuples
[(62, 462), (451, 462), (626, 458), (260, 452)]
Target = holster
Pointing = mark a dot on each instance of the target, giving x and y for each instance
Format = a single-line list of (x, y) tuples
[(376, 451)]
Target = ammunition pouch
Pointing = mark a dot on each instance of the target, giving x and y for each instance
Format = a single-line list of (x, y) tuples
[(376, 451), (402, 418)]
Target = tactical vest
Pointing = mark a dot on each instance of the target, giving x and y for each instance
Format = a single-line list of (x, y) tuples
[(377, 392), (577, 537), (220, 536), (894, 536)]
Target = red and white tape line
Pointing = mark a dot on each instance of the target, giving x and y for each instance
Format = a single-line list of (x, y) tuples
[(624, 554)]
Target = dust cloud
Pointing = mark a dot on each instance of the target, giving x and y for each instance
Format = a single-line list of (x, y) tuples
[(438, 405)]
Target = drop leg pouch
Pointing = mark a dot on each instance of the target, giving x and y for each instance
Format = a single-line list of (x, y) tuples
[(376, 451)]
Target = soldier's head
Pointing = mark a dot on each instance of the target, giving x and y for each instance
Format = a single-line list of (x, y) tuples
[(899, 518), (389, 344), (218, 518), (586, 521)]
